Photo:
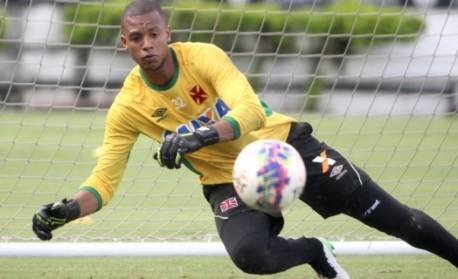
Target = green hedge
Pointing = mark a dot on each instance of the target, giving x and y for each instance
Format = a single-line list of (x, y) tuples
[(93, 23), (347, 20), (3, 26), (373, 23)]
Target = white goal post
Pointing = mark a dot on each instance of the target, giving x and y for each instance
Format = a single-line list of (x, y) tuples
[(376, 79), (104, 249)]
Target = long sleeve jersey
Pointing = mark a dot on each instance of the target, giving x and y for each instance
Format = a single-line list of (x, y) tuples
[(206, 87)]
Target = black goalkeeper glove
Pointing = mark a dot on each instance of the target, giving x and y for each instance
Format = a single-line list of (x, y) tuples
[(52, 216), (170, 153)]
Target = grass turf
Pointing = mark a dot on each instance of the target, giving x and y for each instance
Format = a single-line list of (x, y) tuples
[(359, 267), (45, 155)]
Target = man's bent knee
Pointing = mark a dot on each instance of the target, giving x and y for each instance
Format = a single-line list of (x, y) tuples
[(253, 257)]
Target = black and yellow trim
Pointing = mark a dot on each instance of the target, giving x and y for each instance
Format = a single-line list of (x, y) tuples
[(96, 194), (169, 84), (235, 126)]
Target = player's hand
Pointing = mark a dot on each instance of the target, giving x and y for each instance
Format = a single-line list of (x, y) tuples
[(52, 216), (170, 153)]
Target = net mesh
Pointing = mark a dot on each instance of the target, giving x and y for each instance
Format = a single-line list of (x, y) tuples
[(376, 80)]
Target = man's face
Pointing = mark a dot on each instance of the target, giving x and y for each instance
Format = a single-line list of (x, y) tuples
[(146, 38)]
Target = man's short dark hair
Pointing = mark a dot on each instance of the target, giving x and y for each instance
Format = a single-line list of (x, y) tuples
[(141, 7)]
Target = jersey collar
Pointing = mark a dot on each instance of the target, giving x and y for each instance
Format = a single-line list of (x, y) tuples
[(169, 84)]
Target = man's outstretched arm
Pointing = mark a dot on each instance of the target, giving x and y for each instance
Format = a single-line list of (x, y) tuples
[(51, 216), (87, 201)]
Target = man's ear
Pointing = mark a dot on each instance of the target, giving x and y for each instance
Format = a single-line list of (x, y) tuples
[(123, 40), (169, 34)]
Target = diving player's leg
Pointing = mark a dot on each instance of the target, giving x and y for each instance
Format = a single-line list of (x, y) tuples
[(254, 249), (251, 238), (378, 209), (335, 185)]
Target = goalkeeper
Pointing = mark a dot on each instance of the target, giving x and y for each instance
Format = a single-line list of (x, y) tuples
[(194, 101)]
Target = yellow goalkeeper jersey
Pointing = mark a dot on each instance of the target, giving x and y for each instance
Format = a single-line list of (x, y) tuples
[(206, 87)]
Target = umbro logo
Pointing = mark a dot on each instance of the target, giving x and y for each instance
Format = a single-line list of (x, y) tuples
[(338, 172), (160, 114)]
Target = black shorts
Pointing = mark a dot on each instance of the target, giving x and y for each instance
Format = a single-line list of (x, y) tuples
[(331, 179), (225, 204)]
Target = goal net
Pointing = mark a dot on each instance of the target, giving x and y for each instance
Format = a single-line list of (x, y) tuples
[(375, 78)]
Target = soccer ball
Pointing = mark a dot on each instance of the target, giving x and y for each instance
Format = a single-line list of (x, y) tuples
[(269, 175)]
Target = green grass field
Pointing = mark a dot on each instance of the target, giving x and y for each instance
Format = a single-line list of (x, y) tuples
[(359, 267), (45, 155)]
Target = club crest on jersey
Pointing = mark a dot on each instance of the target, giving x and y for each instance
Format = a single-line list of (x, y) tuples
[(198, 94)]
